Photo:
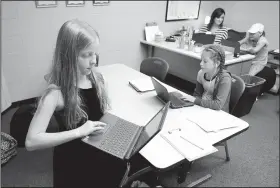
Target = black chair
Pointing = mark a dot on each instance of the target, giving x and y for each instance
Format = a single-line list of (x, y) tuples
[(237, 89), (21, 120), (155, 66)]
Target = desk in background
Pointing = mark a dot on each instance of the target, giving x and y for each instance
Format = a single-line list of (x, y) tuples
[(139, 108), (189, 69)]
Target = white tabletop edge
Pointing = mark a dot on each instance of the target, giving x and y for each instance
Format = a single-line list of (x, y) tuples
[(158, 152)]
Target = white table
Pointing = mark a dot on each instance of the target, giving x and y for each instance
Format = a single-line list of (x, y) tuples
[(173, 46), (189, 68), (139, 108)]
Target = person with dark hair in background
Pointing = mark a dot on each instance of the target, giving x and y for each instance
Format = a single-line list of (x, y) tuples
[(215, 26)]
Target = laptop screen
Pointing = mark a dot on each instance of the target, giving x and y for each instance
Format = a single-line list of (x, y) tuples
[(203, 38), (151, 129), (162, 92)]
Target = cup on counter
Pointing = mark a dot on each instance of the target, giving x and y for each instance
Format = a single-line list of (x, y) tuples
[(159, 37), (198, 48), (181, 42), (191, 45)]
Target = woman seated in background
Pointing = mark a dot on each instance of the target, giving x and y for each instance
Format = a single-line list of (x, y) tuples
[(215, 26), (213, 84), (256, 43)]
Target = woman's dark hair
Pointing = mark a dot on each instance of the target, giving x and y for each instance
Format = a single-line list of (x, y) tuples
[(216, 14)]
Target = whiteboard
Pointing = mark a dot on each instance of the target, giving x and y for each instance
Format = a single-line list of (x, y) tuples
[(182, 10)]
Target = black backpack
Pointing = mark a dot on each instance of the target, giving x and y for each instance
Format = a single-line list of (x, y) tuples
[(21, 120)]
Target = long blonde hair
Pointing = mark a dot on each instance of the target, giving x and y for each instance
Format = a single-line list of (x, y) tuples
[(74, 36)]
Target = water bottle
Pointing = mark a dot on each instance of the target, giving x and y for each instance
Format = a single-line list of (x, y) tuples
[(182, 42)]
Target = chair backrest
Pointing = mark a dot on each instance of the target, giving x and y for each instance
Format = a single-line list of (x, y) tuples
[(154, 66), (231, 46), (235, 35), (237, 89)]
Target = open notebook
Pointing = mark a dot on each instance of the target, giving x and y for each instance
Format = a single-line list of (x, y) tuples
[(142, 84), (187, 144), (222, 120)]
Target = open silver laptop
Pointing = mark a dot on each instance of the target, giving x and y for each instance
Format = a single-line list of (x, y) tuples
[(173, 97), (123, 139)]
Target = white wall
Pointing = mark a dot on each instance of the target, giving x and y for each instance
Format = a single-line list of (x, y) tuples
[(29, 33), (240, 15), (5, 96)]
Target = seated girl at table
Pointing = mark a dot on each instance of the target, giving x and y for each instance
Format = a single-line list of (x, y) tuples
[(213, 84), (77, 98), (215, 26), (256, 43)]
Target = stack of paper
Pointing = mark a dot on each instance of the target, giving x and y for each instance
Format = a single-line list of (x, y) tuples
[(221, 120), (150, 32), (188, 145), (142, 84)]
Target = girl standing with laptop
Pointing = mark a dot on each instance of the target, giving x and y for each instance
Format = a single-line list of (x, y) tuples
[(76, 96), (256, 43)]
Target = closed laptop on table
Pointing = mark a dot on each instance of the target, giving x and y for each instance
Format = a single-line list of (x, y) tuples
[(122, 138)]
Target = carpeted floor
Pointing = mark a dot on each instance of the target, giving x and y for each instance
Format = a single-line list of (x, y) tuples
[(254, 156)]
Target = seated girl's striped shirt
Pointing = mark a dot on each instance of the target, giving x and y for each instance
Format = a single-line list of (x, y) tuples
[(221, 33)]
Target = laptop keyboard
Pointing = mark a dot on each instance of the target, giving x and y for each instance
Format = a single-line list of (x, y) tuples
[(176, 102), (117, 138)]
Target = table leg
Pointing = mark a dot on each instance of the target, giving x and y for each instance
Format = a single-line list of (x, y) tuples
[(125, 177), (150, 51), (184, 169)]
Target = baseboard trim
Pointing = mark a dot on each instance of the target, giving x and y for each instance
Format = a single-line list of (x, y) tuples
[(20, 103)]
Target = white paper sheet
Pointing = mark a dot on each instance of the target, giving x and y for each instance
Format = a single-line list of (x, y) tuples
[(188, 144), (221, 120), (150, 32)]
